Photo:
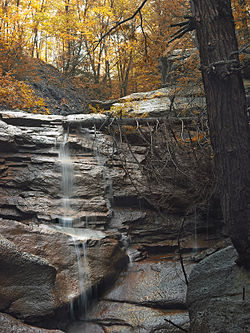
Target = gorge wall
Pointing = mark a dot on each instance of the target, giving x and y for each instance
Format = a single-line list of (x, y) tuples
[(107, 215)]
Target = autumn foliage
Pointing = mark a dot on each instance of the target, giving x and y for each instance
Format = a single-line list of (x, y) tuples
[(68, 34)]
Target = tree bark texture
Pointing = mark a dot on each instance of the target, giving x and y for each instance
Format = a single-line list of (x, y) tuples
[(226, 104)]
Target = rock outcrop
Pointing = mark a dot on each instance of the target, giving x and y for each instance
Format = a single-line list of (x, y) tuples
[(40, 269), (27, 282), (61, 94), (218, 295), (32, 210)]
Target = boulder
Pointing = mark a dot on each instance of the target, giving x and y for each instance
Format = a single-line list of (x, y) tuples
[(9, 324), (159, 103), (39, 286), (27, 282), (218, 295)]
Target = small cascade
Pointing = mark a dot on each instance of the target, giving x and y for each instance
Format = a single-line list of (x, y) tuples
[(67, 180), (66, 221), (83, 274)]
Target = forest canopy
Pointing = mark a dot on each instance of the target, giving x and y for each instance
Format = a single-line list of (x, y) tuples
[(66, 34)]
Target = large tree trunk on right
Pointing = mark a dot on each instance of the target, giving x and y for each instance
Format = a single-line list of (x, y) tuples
[(228, 122)]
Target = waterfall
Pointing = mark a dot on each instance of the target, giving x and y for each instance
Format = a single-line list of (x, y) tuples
[(67, 181), (83, 274), (66, 221)]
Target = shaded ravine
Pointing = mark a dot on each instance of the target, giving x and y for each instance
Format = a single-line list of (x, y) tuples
[(145, 295)]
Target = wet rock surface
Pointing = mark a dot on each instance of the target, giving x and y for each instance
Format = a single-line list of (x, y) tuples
[(27, 282), (123, 317), (47, 279), (144, 298), (218, 295), (150, 296), (12, 325), (158, 283)]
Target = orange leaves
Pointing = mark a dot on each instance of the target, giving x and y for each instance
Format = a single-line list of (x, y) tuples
[(18, 95), (64, 33)]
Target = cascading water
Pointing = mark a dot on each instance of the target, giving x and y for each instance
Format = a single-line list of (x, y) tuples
[(83, 275), (67, 180), (66, 221)]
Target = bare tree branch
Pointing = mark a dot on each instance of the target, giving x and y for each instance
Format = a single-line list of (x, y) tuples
[(120, 23), (177, 326), (180, 255), (185, 27), (144, 35)]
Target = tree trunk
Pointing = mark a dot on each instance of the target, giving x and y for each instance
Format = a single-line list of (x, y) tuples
[(229, 129)]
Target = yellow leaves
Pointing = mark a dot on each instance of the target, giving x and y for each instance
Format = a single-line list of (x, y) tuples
[(96, 109), (64, 33), (18, 95), (157, 95), (101, 11)]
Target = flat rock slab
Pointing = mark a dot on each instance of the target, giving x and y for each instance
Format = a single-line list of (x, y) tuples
[(144, 297), (218, 295), (125, 317), (158, 103), (158, 284)]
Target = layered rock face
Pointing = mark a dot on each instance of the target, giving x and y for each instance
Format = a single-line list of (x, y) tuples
[(39, 259), (31, 172), (32, 209)]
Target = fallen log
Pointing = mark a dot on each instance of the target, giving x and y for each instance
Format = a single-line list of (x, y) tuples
[(100, 122)]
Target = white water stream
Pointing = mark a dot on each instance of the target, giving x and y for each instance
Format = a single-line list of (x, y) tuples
[(66, 222)]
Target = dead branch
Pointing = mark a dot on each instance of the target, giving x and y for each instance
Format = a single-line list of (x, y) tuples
[(177, 326), (120, 23), (88, 121), (185, 27), (180, 254)]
